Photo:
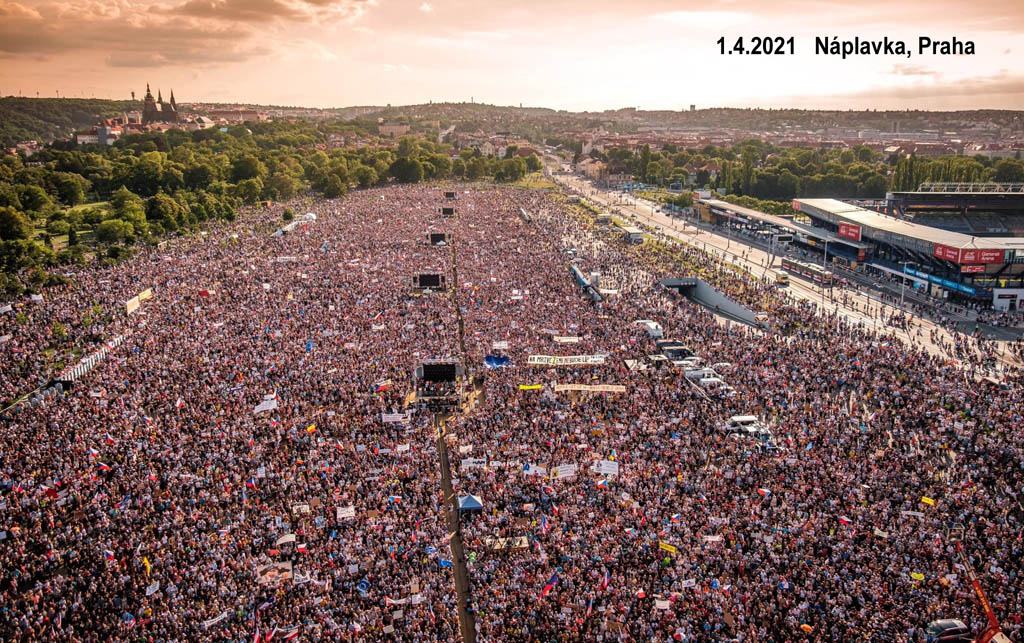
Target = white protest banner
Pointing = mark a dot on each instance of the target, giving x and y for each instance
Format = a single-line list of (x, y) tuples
[(265, 405), (591, 388), (516, 542), (301, 508), (565, 360), (6, 308), (216, 619), (917, 514), (606, 467), (712, 539), (274, 573), (566, 340), (881, 534), (564, 471), (500, 346), (661, 605), (472, 463), (346, 513), (153, 588), (132, 305), (402, 448), (534, 470), (285, 539), (689, 582), (394, 418)]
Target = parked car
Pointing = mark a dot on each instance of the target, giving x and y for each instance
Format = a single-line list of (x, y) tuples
[(948, 630)]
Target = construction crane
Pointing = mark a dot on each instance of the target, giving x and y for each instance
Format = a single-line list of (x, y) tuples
[(992, 632)]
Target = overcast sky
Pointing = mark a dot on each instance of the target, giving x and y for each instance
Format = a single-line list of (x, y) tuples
[(568, 54)]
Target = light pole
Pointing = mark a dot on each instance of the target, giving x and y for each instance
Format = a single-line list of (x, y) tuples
[(824, 262), (903, 280)]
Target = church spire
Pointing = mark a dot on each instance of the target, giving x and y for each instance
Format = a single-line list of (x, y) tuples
[(173, 104), (149, 94), (159, 97)]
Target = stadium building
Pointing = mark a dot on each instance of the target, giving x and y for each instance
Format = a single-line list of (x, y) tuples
[(964, 242)]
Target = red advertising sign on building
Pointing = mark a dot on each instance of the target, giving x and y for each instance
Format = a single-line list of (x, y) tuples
[(978, 267), (849, 231), (946, 252), (795, 205), (973, 255)]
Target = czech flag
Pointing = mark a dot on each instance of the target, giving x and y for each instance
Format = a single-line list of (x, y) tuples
[(109, 555), (381, 386), (843, 520), (641, 594), (250, 483), (544, 524), (301, 548), (109, 440), (547, 490), (764, 492), (93, 454), (676, 518), (102, 466), (602, 483), (606, 581), (550, 585), (394, 500)]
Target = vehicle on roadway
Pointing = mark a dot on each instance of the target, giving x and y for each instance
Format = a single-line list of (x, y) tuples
[(807, 271)]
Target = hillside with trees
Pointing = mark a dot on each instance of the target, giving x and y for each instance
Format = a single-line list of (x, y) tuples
[(98, 204), (47, 119), (764, 171)]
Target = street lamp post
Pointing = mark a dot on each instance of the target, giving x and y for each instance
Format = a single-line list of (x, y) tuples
[(824, 263), (903, 280)]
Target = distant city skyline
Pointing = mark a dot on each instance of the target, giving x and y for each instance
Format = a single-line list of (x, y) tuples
[(560, 54)]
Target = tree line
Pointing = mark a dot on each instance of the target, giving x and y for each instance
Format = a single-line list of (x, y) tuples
[(766, 171), (70, 204)]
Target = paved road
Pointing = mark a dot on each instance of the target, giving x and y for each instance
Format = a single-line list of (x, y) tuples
[(853, 304)]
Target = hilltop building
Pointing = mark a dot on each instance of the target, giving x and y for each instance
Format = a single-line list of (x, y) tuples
[(155, 110)]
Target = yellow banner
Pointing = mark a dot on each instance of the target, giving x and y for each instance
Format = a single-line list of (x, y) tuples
[(530, 387), (928, 501), (672, 549), (146, 294), (132, 305)]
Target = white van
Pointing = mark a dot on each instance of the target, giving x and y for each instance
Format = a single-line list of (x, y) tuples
[(748, 425), (653, 328), (699, 373), (689, 362), (714, 385)]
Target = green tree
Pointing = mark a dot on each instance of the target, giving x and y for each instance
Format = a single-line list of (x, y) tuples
[(33, 197), (407, 170), (70, 187), (247, 166), (249, 190), (1009, 171), (280, 187), (113, 231), (334, 187), (366, 176), (14, 225)]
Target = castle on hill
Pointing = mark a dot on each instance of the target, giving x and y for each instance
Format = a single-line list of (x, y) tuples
[(155, 110)]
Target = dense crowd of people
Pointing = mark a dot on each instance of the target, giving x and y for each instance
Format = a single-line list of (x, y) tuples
[(247, 462)]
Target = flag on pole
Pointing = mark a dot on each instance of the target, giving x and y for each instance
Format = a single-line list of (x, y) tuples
[(764, 492), (606, 580), (550, 585)]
